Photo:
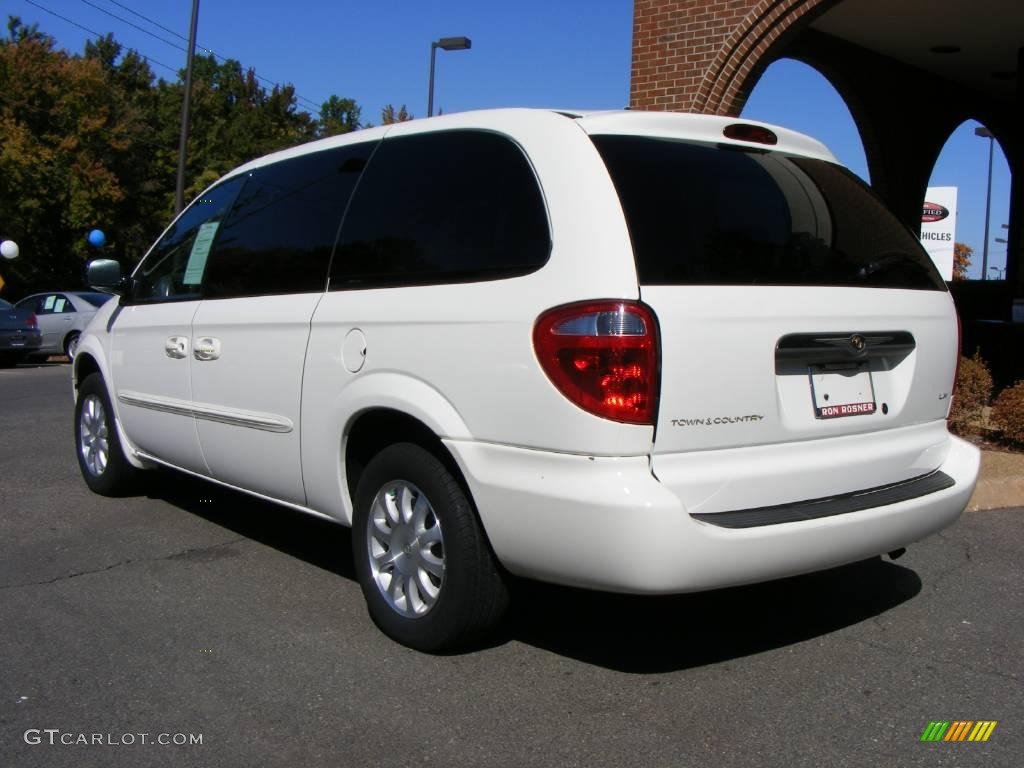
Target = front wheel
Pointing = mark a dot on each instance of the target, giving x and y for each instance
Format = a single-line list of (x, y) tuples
[(424, 564), (104, 467)]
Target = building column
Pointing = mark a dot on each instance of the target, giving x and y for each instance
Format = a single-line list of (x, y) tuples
[(1015, 236)]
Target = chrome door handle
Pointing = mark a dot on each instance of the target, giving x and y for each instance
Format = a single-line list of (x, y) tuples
[(206, 348), (176, 347)]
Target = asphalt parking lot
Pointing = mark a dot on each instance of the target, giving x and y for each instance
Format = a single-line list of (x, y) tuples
[(192, 611)]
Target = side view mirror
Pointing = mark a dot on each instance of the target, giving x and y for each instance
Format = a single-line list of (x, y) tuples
[(105, 275)]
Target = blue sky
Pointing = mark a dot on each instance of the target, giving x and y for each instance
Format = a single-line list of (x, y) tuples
[(568, 54)]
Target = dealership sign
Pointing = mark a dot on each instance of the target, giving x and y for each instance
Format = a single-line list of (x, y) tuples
[(938, 228)]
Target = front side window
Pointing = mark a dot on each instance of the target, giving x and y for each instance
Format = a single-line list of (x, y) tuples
[(281, 231), (173, 270), (453, 206), (96, 299), (704, 214)]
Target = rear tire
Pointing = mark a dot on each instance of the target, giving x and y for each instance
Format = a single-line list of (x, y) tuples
[(424, 563), (105, 469)]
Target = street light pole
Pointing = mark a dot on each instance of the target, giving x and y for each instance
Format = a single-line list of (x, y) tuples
[(1001, 271), (430, 88), (445, 44), (179, 192), (986, 133)]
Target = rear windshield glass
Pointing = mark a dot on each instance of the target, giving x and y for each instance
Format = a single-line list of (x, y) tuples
[(703, 214)]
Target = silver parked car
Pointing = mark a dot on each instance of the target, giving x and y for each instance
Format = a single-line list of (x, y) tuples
[(62, 316)]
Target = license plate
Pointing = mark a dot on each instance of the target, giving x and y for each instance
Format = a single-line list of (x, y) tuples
[(842, 391)]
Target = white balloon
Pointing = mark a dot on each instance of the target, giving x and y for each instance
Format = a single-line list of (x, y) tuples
[(9, 249)]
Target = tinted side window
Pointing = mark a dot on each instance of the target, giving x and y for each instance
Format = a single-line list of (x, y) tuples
[(173, 270), (96, 299), (701, 214), (280, 233), (456, 206)]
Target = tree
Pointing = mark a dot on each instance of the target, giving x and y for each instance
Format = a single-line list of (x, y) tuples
[(64, 128), (961, 260), (388, 115), (234, 119), (337, 116), (91, 141)]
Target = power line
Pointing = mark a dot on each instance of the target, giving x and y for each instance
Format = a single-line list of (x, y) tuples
[(94, 33), (134, 25), (175, 70), (298, 97), (146, 18)]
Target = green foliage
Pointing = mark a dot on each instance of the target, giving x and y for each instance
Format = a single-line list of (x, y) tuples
[(971, 394), (338, 116), (1008, 413), (91, 140), (388, 115), (962, 254)]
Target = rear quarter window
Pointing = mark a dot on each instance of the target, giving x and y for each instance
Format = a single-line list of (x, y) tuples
[(705, 214)]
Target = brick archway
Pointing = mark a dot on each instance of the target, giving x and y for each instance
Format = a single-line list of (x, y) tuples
[(740, 61), (705, 55)]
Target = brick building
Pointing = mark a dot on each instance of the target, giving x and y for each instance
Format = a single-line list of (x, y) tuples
[(910, 71)]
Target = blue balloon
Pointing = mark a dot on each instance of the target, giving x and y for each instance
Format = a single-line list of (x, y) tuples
[(97, 239)]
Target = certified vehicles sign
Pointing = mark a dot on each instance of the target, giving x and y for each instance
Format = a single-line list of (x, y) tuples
[(938, 227)]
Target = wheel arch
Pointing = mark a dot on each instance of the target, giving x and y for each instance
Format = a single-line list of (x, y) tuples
[(68, 336), (83, 365), (88, 361), (337, 421), (374, 429)]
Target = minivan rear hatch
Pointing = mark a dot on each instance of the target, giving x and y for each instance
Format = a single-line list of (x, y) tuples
[(792, 305)]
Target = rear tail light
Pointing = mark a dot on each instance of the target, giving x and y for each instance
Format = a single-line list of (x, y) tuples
[(31, 321), (603, 356), (959, 357)]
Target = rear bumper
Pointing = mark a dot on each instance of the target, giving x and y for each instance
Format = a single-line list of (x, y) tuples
[(608, 523), (20, 341)]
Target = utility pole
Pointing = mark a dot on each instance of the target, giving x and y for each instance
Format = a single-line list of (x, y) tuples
[(179, 194)]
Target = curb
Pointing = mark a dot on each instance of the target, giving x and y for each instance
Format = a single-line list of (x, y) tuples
[(1000, 482)]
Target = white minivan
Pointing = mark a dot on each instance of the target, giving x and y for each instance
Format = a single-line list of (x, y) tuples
[(636, 352)]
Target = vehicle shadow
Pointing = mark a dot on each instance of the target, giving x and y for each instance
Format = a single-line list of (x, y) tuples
[(319, 542), (43, 362), (661, 634), (621, 632)]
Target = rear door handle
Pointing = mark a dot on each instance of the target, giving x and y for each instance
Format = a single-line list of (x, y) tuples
[(176, 347), (206, 348)]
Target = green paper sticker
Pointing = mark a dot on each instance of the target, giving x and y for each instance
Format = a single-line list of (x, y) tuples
[(200, 250)]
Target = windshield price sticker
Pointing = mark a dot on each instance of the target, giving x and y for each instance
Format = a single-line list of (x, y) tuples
[(839, 392)]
